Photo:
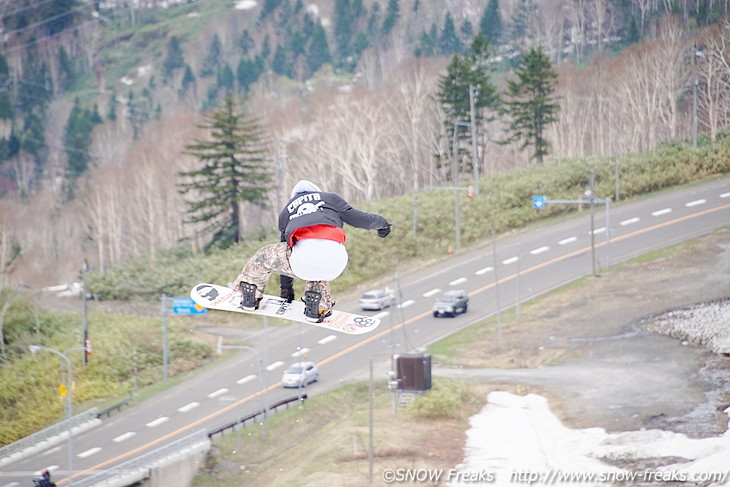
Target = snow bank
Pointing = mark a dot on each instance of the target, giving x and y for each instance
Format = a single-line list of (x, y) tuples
[(517, 439)]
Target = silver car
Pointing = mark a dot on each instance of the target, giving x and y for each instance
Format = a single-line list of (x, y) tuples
[(377, 299), (300, 374)]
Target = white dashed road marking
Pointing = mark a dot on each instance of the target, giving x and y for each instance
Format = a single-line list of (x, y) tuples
[(157, 422), (275, 365), (568, 240), (188, 407), (662, 212), (124, 437), (327, 339), (89, 452), (248, 378), (300, 352), (217, 393)]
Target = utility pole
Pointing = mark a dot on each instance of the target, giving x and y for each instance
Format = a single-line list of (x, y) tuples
[(696, 54), (473, 92), (84, 270)]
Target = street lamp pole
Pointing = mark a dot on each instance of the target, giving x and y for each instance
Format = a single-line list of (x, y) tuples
[(69, 403), (264, 388), (84, 270)]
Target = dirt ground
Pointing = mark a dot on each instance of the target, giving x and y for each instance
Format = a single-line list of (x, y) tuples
[(588, 350)]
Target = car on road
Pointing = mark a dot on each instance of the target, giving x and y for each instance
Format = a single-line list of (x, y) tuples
[(300, 374), (377, 299), (450, 303)]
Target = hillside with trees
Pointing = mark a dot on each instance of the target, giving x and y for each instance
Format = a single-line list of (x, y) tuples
[(106, 106)]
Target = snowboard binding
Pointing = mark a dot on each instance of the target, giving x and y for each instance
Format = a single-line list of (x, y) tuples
[(249, 301), (311, 307)]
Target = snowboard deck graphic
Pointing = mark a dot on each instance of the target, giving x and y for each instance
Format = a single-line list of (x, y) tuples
[(213, 296)]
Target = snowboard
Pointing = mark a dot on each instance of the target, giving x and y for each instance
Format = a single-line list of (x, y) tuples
[(213, 296)]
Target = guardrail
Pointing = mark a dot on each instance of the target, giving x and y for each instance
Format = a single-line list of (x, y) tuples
[(48, 437), (115, 407), (138, 469), (253, 416)]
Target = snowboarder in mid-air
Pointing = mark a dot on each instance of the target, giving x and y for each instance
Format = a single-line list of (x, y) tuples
[(312, 248)]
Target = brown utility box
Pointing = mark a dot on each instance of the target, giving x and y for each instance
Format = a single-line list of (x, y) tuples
[(413, 371)]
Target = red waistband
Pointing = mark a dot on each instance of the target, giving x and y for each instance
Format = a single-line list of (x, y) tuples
[(325, 232)]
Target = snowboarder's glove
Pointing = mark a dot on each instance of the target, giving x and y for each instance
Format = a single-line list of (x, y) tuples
[(384, 232)]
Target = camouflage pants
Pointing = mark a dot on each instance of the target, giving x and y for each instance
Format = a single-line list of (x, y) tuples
[(275, 258)]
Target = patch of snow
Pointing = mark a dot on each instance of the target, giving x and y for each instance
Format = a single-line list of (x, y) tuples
[(245, 5), (517, 439)]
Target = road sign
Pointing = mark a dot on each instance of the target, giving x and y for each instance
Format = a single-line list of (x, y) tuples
[(186, 306), (538, 201)]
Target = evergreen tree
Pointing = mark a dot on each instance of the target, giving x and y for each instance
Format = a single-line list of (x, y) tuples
[(6, 87), (112, 113), (530, 103), (233, 171), (213, 60), (245, 42), (318, 49), (466, 29), (77, 141), (35, 92), (66, 72), (392, 14), (523, 13), (187, 79), (248, 72), (280, 64), (491, 22), (225, 78), (267, 9), (348, 15), (449, 42), (173, 61), (474, 70), (427, 43), (58, 15), (375, 23)]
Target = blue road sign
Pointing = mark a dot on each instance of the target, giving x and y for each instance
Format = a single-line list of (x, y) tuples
[(186, 306), (538, 201)]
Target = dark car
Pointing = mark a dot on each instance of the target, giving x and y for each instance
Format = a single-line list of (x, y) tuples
[(450, 303)]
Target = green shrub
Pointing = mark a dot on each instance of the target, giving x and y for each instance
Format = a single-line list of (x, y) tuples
[(445, 398)]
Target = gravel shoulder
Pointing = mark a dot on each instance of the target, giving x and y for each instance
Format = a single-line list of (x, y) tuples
[(641, 346)]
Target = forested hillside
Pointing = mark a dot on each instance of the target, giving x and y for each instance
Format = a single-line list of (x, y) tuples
[(99, 100)]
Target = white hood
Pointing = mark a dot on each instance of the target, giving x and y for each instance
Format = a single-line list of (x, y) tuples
[(304, 186)]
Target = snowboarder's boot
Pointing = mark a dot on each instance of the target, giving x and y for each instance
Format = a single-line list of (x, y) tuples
[(311, 307), (249, 301)]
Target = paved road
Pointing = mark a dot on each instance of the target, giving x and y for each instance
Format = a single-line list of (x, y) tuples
[(520, 266)]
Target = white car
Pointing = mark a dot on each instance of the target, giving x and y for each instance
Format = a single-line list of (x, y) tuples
[(300, 374), (377, 299)]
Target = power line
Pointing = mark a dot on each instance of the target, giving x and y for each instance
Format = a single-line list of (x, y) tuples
[(51, 36), (8, 14), (41, 22)]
